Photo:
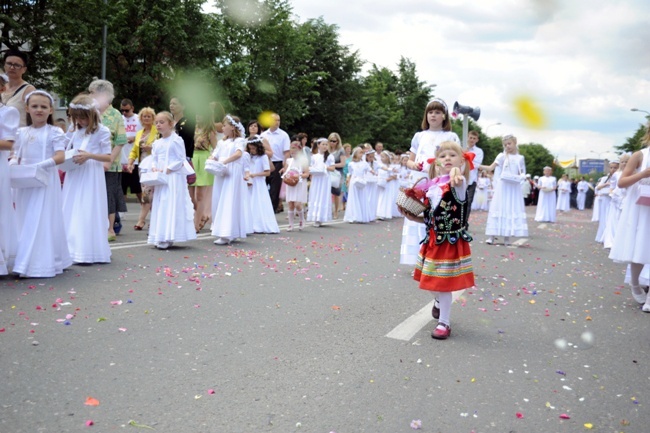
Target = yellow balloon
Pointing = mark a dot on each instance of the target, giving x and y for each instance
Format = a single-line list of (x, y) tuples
[(529, 112), (266, 119)]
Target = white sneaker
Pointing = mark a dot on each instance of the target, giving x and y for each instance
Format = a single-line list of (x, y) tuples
[(163, 245), (639, 295)]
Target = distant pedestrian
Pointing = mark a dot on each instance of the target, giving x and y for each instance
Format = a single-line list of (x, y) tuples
[(563, 194), (445, 260), (583, 187), (547, 202)]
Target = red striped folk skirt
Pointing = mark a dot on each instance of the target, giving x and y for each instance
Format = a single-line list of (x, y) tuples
[(444, 267)]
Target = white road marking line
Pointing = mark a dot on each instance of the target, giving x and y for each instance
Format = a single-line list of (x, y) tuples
[(411, 326), (138, 244)]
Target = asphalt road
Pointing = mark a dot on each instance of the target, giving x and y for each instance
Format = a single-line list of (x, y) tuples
[(323, 331)]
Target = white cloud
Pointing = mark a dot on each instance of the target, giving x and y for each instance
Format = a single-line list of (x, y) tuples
[(585, 62)]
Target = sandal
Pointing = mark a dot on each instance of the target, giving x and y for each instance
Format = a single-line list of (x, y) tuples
[(202, 223), (137, 227)]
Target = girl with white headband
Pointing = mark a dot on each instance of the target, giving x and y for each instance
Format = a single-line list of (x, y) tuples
[(85, 205), (42, 246), (228, 207), (9, 121)]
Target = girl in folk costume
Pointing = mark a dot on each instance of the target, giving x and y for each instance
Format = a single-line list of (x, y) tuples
[(436, 128), (320, 203), (296, 167), (228, 208), (445, 262), (633, 230), (387, 183), (616, 205), (605, 186), (507, 215), (85, 204), (355, 210), (9, 122), (262, 214), (42, 248), (172, 214), (481, 198), (583, 187), (546, 203), (564, 194)]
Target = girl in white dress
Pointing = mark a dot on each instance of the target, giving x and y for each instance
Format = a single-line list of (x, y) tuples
[(262, 212), (564, 194), (372, 190), (633, 230), (228, 208), (84, 190), (546, 203), (355, 211), (296, 166), (615, 205), (481, 199), (320, 203), (507, 215), (42, 247), (603, 190), (386, 183), (396, 169), (9, 121), (436, 129), (172, 212), (583, 187)]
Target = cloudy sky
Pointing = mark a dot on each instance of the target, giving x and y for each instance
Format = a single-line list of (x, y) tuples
[(585, 62)]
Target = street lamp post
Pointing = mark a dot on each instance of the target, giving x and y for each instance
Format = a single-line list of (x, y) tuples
[(487, 128), (642, 111)]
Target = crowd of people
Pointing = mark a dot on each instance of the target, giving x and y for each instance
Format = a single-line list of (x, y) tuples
[(68, 182)]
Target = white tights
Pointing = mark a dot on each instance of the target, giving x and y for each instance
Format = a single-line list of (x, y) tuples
[(444, 301)]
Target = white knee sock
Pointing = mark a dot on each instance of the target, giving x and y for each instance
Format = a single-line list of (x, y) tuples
[(444, 300), (290, 217)]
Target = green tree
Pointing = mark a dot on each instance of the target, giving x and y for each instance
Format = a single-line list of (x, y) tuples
[(634, 143), (537, 157)]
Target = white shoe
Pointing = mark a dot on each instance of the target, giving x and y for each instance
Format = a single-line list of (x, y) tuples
[(222, 241), (489, 240), (290, 228), (317, 224), (639, 295), (646, 307), (163, 245)]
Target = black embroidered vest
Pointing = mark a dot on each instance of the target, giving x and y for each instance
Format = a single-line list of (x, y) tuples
[(448, 220)]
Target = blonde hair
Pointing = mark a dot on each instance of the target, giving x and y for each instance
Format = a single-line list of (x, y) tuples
[(337, 137), (147, 110), (169, 117), (89, 113), (357, 154), (453, 146)]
